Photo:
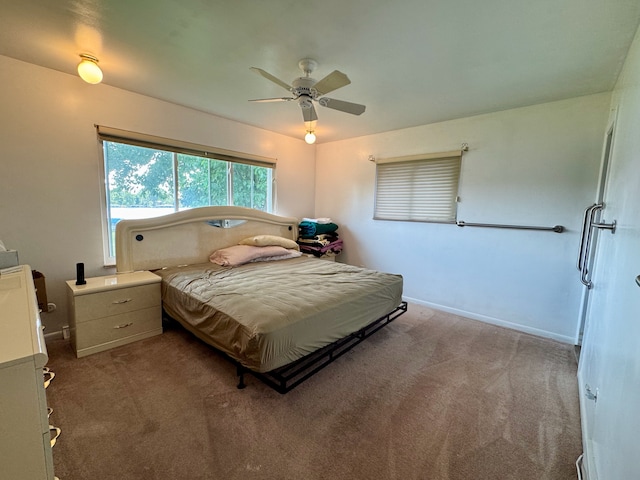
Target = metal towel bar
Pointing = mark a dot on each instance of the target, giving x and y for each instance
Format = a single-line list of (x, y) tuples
[(555, 228)]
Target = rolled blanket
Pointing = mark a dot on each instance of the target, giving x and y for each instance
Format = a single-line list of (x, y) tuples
[(331, 236), (324, 237), (310, 229), (317, 241), (318, 251)]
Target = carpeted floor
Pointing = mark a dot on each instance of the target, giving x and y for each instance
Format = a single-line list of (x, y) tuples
[(431, 396)]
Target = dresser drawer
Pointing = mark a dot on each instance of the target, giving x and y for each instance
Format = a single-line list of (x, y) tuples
[(116, 330), (116, 302)]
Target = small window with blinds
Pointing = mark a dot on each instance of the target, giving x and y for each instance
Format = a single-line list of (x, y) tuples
[(420, 188)]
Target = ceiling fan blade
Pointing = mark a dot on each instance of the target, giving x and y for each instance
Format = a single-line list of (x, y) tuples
[(268, 76), (277, 99), (309, 114), (348, 107), (331, 82)]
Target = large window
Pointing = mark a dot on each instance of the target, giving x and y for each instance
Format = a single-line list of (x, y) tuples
[(422, 188), (152, 179)]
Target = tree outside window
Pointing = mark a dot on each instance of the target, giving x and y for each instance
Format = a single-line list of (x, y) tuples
[(143, 182)]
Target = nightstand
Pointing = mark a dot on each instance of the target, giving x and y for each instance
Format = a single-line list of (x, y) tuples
[(113, 310)]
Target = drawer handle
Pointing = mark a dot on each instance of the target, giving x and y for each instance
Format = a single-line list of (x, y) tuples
[(118, 302), (54, 437), (124, 325), (49, 411), (48, 376)]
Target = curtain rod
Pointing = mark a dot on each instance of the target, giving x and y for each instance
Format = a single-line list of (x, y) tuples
[(555, 228)]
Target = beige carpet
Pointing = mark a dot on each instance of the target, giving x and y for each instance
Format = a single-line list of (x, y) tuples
[(430, 396)]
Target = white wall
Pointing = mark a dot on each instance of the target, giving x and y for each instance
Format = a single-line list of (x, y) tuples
[(530, 166), (50, 165), (610, 360), (535, 165)]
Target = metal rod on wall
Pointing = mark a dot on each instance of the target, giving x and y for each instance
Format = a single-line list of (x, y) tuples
[(555, 228)]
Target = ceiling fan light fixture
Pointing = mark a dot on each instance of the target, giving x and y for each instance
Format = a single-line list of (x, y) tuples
[(310, 137), (89, 70), (305, 102)]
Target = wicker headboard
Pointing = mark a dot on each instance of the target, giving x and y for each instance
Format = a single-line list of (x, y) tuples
[(190, 236)]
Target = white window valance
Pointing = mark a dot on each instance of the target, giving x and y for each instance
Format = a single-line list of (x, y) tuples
[(111, 134), (419, 157)]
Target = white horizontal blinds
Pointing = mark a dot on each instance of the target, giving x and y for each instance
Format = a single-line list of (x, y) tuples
[(168, 144), (418, 188)]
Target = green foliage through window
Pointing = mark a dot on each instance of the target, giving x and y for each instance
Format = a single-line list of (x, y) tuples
[(143, 182)]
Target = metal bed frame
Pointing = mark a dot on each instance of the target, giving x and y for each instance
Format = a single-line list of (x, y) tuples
[(286, 378)]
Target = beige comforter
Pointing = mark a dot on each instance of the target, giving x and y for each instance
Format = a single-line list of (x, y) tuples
[(268, 314)]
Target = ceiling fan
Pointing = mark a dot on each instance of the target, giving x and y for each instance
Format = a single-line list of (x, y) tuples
[(307, 90)]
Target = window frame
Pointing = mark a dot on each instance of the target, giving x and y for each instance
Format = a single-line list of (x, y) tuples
[(397, 176), (175, 147)]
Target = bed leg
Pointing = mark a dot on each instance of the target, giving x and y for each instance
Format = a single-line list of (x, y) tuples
[(241, 383)]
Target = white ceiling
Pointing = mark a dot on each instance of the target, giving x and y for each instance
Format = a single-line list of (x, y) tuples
[(411, 62)]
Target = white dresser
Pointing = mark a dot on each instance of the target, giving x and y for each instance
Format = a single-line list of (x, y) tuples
[(25, 438), (114, 310)]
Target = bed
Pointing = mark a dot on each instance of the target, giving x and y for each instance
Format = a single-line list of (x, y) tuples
[(280, 317)]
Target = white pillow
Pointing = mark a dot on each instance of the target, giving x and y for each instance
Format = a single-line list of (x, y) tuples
[(267, 240), (239, 254)]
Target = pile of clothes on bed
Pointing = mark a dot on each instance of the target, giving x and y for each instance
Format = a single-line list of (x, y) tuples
[(319, 237)]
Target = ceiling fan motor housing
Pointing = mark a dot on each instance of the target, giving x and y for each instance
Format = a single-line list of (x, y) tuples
[(304, 86)]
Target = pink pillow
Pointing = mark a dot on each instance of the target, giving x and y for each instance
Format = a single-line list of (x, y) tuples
[(239, 254)]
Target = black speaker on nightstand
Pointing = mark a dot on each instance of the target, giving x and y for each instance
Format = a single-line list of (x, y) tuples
[(80, 274)]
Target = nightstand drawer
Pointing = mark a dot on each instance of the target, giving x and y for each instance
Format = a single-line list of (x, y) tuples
[(116, 302), (118, 328)]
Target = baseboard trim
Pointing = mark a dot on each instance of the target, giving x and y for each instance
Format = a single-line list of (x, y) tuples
[(53, 336), (494, 321)]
